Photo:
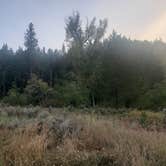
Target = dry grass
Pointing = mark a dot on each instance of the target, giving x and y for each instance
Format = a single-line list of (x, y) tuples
[(81, 140), (25, 148)]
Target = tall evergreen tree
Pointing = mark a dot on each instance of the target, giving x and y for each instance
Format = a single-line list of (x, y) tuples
[(31, 44)]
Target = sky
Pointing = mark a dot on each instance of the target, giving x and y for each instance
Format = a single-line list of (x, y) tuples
[(137, 19)]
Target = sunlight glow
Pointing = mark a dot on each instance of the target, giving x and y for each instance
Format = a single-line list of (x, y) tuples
[(156, 30)]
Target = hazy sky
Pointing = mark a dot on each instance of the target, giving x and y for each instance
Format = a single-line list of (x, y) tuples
[(141, 19)]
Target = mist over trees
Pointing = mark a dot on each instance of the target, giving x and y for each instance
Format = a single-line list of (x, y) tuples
[(91, 70)]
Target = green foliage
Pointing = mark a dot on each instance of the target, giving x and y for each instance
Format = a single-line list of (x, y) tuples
[(93, 70), (36, 91), (72, 93), (14, 97), (143, 119), (154, 98)]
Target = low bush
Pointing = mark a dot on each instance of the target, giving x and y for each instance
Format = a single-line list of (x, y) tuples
[(15, 98)]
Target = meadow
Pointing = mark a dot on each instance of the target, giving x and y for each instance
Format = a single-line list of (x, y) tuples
[(36, 136)]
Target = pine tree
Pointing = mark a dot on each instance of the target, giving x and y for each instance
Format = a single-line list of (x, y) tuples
[(31, 44)]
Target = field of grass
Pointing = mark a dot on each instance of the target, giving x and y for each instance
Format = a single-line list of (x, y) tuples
[(34, 136)]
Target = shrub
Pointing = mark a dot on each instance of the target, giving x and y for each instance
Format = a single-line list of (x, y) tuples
[(36, 90), (154, 98), (147, 119), (15, 98), (71, 93), (143, 119), (43, 115)]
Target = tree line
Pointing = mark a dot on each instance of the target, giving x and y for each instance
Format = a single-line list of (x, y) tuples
[(89, 70)]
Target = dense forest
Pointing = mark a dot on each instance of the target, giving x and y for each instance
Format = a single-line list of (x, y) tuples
[(90, 69)]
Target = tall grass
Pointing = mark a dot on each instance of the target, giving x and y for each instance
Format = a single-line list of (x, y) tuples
[(83, 140)]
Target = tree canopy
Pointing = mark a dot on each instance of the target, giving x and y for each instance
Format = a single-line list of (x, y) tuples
[(91, 70)]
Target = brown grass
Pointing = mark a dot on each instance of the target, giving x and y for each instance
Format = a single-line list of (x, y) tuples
[(82, 140)]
